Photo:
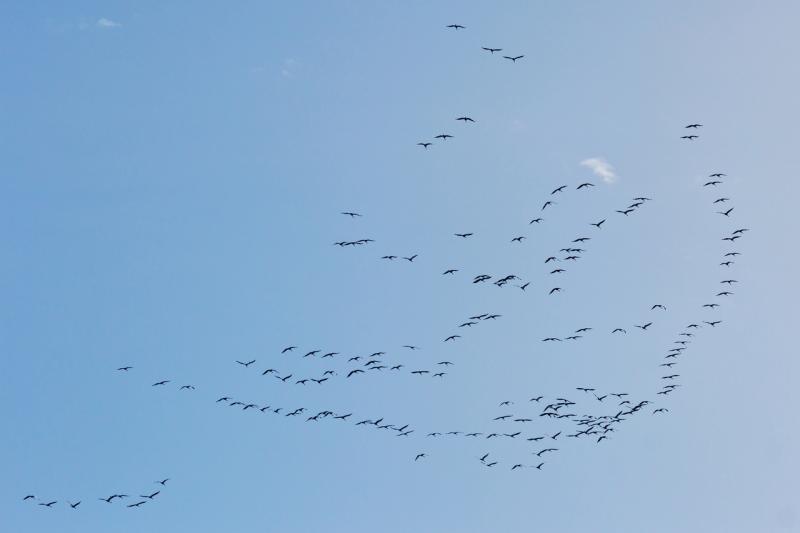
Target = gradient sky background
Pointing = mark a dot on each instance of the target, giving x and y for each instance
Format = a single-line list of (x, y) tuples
[(171, 186)]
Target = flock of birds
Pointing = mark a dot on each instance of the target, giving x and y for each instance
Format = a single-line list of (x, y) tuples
[(135, 502), (586, 413)]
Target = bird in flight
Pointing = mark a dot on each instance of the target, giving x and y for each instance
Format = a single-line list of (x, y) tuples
[(518, 239), (124, 368), (456, 26), (48, 504), (288, 349), (463, 235), (443, 136), (466, 119), (726, 213), (351, 214), (247, 363), (424, 145), (584, 185), (164, 382), (598, 224), (690, 137), (492, 50), (411, 259), (695, 126), (74, 505), (513, 58)]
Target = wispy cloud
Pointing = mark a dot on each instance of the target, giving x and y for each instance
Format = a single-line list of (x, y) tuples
[(107, 23), (600, 167), (288, 68)]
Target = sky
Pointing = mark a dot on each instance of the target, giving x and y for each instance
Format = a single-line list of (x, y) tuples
[(172, 181)]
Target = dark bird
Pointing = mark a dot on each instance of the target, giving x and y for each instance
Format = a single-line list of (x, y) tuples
[(29, 497), (74, 505), (690, 137), (463, 235), (625, 212), (645, 326), (658, 306), (558, 189), (124, 368), (726, 213), (187, 387), (450, 271), (710, 183), (717, 175), (48, 504), (419, 456), (721, 200), (547, 203), (163, 482), (694, 126), (150, 496), (555, 289), (288, 349), (389, 257), (138, 504), (456, 26), (598, 224), (535, 221), (443, 136), (514, 58), (452, 338), (465, 119), (284, 379), (714, 323), (411, 259), (584, 185), (492, 50), (247, 363), (353, 372), (619, 330), (424, 145), (160, 383), (525, 285), (351, 214)]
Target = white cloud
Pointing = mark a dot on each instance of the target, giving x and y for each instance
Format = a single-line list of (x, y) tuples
[(288, 68), (107, 23), (600, 167)]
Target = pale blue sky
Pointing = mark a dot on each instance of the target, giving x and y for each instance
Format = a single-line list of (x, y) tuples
[(171, 186)]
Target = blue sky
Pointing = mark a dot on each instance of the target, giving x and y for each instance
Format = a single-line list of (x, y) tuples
[(173, 177)]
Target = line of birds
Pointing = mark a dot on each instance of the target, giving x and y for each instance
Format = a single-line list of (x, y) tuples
[(144, 498)]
